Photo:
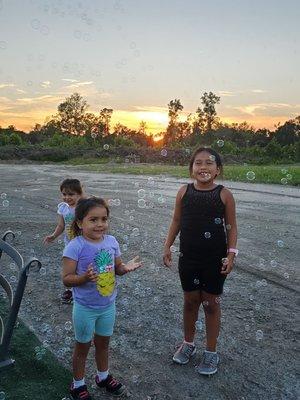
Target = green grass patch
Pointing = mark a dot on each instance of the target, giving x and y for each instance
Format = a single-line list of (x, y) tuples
[(31, 377), (279, 174)]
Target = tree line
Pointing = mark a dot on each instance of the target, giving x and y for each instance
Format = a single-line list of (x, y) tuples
[(73, 125)]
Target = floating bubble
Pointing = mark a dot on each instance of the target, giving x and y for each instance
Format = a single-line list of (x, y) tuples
[(284, 181), (141, 193), (35, 24), (3, 196), (3, 45), (207, 235), (68, 325), (205, 303), (247, 327), (289, 177), (93, 135), (218, 221), (264, 282), (280, 243), (273, 263), (68, 340), (284, 171), (106, 146), (228, 227), (12, 279), (286, 275), (220, 143), (117, 202), (135, 378), (173, 249), (218, 300), (164, 152), (250, 175), (43, 271), (212, 157), (199, 325), (125, 247), (161, 200), (251, 297), (5, 203), (196, 281), (135, 231), (224, 260), (259, 335)]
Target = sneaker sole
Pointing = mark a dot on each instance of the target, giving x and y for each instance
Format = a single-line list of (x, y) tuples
[(186, 362)]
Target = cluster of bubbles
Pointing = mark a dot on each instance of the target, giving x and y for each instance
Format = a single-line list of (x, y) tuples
[(5, 202), (288, 177), (114, 202), (40, 352)]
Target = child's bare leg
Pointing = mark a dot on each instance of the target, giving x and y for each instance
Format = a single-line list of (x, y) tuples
[(101, 353), (212, 310), (192, 301), (79, 358)]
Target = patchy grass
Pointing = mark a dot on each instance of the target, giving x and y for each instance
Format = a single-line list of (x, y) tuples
[(278, 174), (36, 374)]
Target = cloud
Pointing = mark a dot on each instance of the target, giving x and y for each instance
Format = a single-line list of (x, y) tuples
[(5, 85), (79, 84), (225, 93), (46, 84), (258, 91), (41, 99), (266, 109), (151, 108), (69, 80)]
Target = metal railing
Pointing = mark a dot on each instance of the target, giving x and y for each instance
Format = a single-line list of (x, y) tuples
[(14, 298)]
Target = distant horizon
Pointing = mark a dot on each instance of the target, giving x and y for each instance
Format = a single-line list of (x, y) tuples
[(135, 56)]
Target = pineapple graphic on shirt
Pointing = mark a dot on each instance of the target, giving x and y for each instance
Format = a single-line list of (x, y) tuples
[(106, 278), (69, 218)]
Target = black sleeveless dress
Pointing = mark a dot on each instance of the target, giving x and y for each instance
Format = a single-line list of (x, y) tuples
[(202, 240)]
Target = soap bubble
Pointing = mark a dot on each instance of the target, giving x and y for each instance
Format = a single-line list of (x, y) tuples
[(164, 153), (68, 325), (220, 143), (199, 325), (280, 243), (3, 196), (207, 235), (141, 193), (173, 249), (284, 181), (259, 335), (218, 221), (106, 147), (5, 203), (250, 175)]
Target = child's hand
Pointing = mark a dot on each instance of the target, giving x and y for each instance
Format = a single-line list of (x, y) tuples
[(49, 239), (167, 258), (227, 264), (132, 265), (90, 274)]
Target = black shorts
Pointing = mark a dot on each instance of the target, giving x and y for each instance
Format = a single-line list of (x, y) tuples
[(204, 276)]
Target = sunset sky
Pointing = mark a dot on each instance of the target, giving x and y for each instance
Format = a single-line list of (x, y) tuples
[(136, 55)]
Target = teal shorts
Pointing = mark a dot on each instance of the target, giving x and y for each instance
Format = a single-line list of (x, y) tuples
[(88, 321)]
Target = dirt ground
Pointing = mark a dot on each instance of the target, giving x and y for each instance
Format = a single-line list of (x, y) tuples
[(257, 344)]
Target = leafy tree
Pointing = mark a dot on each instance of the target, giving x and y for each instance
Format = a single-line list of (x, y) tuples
[(104, 118), (209, 100), (71, 114), (174, 107), (289, 132)]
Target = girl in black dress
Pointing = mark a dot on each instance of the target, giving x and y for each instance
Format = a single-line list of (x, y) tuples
[(204, 216)]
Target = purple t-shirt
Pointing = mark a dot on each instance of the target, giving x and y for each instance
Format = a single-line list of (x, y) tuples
[(101, 255)]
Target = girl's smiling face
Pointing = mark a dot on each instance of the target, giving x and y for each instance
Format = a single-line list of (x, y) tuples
[(95, 224), (205, 169), (69, 197)]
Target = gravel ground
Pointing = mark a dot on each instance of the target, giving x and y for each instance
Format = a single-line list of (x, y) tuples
[(257, 344)]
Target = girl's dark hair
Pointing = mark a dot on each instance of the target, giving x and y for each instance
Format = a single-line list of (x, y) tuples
[(217, 158), (83, 207), (73, 185)]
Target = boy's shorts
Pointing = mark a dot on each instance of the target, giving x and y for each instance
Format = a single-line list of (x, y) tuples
[(89, 321)]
